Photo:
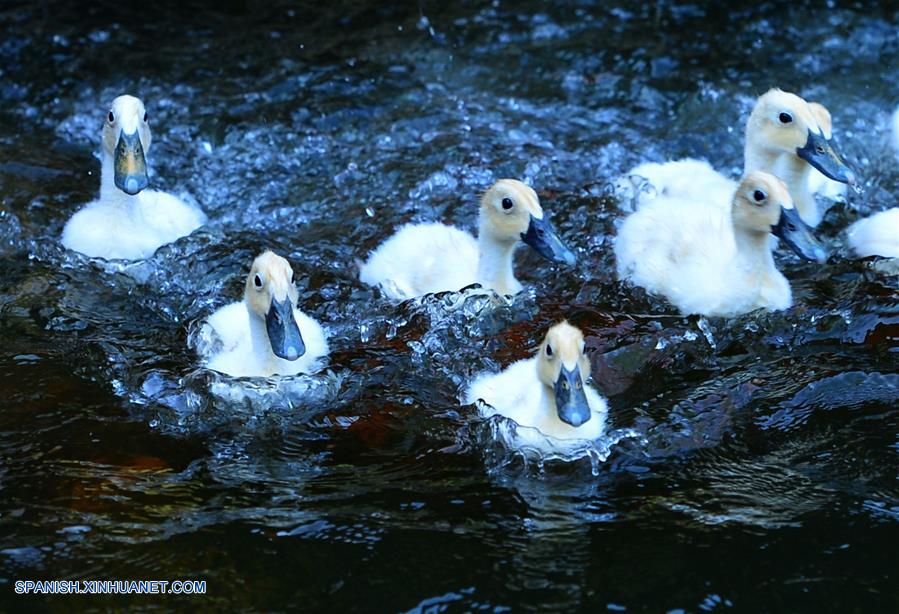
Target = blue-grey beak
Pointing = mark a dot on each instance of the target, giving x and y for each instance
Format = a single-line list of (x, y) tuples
[(571, 400), (798, 236), (543, 238), (820, 153), (129, 164), (283, 332)]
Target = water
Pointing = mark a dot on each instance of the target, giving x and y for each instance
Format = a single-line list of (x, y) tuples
[(757, 463)]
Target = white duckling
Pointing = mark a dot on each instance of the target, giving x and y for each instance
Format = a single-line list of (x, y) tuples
[(713, 261), (547, 394), (783, 138), (877, 235), (128, 221), (425, 258), (265, 334)]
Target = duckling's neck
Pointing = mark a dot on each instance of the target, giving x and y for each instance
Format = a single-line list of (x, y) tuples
[(495, 263), (262, 348), (790, 168), (753, 251), (109, 193), (794, 171)]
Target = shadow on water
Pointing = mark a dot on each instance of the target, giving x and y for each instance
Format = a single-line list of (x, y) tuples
[(758, 456)]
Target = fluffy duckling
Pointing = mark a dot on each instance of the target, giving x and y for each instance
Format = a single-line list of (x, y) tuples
[(713, 261), (425, 258), (128, 221), (547, 392), (877, 235), (783, 137), (265, 334)]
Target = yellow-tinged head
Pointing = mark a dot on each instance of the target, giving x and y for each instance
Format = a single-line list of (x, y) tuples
[(784, 123), (563, 367), (271, 295), (511, 212), (126, 137), (822, 116), (762, 204), (506, 210)]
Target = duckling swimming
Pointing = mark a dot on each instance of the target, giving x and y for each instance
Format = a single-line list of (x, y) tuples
[(425, 258), (783, 137), (877, 235), (265, 334), (128, 221), (547, 392), (713, 261)]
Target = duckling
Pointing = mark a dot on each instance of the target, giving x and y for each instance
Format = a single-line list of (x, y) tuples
[(265, 334), (713, 261), (783, 137), (128, 221), (877, 235), (547, 392), (425, 258)]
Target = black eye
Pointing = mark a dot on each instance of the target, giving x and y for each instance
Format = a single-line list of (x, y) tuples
[(111, 117), (257, 281), (759, 196), (146, 116), (549, 350), (507, 203), (785, 118)]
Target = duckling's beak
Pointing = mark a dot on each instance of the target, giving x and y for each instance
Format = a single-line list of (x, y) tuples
[(130, 166), (571, 400), (798, 236), (543, 238), (283, 332), (820, 153)]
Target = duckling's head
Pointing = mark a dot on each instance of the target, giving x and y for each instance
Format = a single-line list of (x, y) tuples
[(822, 116), (782, 122), (762, 204), (511, 211), (271, 296), (126, 138), (562, 366)]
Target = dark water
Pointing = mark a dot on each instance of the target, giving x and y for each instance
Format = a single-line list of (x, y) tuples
[(761, 474)]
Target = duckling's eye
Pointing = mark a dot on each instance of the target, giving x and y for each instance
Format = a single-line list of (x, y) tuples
[(549, 350), (759, 196), (785, 118), (257, 281), (111, 117), (507, 203), (146, 116)]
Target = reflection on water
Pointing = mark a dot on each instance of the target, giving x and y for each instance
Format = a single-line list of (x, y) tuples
[(758, 455)]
